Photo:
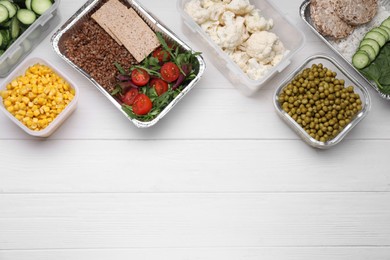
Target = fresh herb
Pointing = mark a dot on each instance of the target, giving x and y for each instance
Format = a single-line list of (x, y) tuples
[(379, 70)]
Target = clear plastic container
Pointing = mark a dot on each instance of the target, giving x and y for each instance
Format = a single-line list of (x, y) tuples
[(20, 70), (333, 65), (26, 42), (292, 38)]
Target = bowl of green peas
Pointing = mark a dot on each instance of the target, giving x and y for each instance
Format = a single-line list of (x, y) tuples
[(321, 101)]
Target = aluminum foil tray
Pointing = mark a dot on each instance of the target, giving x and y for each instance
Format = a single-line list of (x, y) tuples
[(84, 13), (305, 15)]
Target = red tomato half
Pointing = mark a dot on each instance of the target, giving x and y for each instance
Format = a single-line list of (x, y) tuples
[(142, 104), (169, 72), (140, 77), (159, 85), (129, 97), (161, 54)]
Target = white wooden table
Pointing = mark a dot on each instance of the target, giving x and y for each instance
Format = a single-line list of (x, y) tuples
[(220, 177)]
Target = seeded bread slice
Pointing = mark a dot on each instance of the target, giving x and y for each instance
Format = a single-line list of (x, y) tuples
[(356, 12), (326, 21)]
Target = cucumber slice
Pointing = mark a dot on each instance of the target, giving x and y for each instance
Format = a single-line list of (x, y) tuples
[(360, 59), (28, 4), (381, 31), (5, 39), (5, 24), (15, 28), (26, 16), (10, 7), (370, 51), (387, 29), (40, 6), (3, 14), (377, 37), (374, 44), (386, 23), (2, 52)]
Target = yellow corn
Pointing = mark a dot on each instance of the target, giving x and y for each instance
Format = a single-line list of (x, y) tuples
[(37, 97)]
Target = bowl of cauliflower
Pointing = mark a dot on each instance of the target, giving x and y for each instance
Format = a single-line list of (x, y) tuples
[(249, 43)]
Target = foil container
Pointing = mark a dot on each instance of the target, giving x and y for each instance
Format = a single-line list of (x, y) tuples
[(304, 11), (83, 14), (333, 65)]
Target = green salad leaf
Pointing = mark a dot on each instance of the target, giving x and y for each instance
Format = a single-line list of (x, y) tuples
[(379, 70)]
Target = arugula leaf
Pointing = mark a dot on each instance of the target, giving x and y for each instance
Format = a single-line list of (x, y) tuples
[(120, 68)]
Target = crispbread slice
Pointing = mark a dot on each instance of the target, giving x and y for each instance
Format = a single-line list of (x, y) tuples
[(127, 28), (135, 34), (105, 14)]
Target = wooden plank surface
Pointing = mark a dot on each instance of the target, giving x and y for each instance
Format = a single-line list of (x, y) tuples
[(220, 177)]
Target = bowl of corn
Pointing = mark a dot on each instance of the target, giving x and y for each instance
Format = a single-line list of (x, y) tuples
[(38, 97)]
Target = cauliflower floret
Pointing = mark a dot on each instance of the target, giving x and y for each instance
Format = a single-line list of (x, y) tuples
[(239, 57), (261, 46), (240, 7), (233, 33), (210, 27), (208, 3), (255, 22), (197, 12), (215, 11), (255, 70)]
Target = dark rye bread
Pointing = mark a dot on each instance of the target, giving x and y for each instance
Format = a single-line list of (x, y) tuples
[(356, 12), (326, 21)]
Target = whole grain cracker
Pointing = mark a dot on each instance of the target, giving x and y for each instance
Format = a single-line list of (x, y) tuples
[(128, 28), (104, 15), (135, 34)]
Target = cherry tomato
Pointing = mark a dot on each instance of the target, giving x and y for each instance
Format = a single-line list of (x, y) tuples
[(169, 72), (129, 97), (140, 77), (161, 54), (159, 85), (142, 104)]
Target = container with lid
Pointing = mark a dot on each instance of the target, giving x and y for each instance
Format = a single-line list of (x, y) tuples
[(29, 39), (291, 37)]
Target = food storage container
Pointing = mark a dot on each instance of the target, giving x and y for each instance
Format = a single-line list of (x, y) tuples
[(292, 38), (83, 14), (25, 43), (304, 11), (19, 71), (333, 65)]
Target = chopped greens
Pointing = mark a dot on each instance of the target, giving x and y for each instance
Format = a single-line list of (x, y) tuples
[(185, 60)]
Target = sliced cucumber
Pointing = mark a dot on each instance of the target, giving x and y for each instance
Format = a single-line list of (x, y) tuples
[(360, 59), (1, 52), (10, 7), (377, 37), (386, 23), (15, 28), (28, 4), (26, 16), (370, 51), (5, 39), (381, 31), (387, 29), (374, 44), (40, 6), (4, 15)]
